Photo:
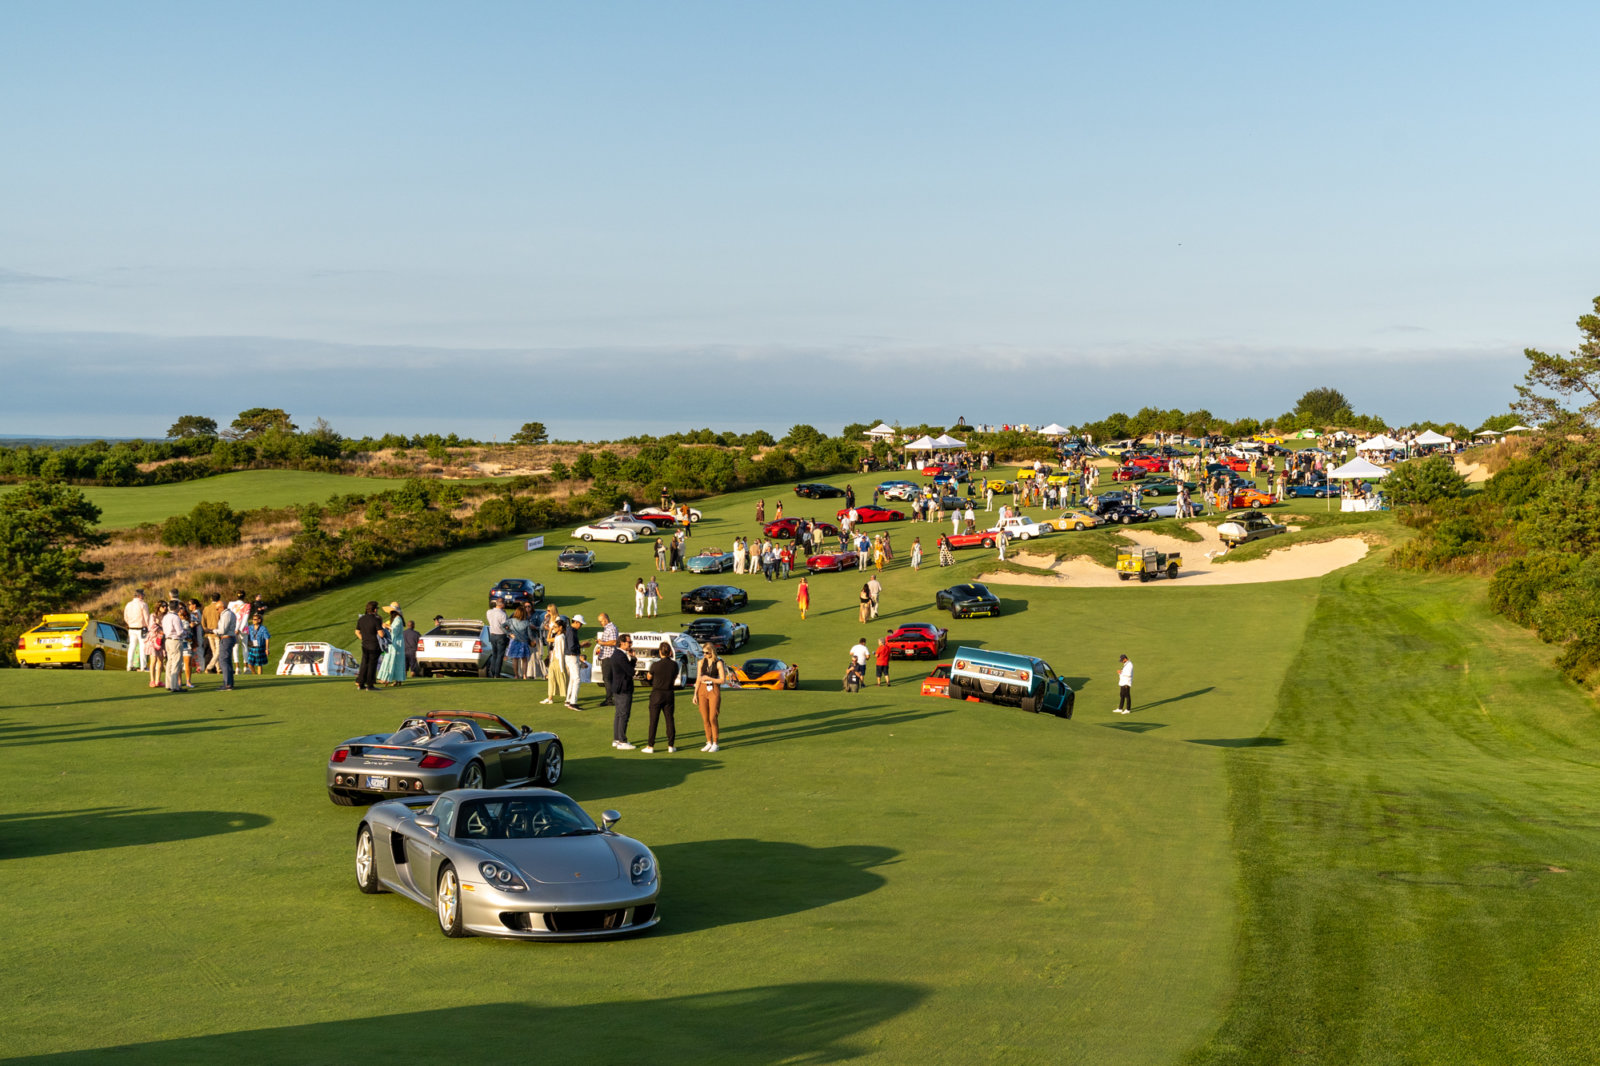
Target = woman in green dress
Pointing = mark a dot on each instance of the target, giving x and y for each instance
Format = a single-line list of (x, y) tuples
[(392, 667)]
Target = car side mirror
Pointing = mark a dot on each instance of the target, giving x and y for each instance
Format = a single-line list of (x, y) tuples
[(430, 822), (609, 819), (526, 730)]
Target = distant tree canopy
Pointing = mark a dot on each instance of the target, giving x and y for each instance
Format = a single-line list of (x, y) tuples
[(46, 529), (258, 420), (1576, 375), (531, 433), (1323, 407), (190, 426)]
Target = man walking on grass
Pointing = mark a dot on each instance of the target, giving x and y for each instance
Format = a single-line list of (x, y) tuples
[(1125, 686), (136, 616)]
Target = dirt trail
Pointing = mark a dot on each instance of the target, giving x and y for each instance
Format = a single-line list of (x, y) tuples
[(1475, 473)]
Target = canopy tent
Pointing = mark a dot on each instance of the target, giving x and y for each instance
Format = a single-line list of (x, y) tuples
[(1357, 468), (1520, 428), (1486, 433), (1428, 437), (1055, 429), (1380, 443), (945, 440), (882, 429), (923, 443)]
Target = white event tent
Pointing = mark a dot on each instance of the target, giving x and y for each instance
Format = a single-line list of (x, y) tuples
[(882, 431), (1380, 443), (1486, 433), (945, 440), (1351, 471), (923, 443), (1428, 438), (1520, 428), (1055, 429)]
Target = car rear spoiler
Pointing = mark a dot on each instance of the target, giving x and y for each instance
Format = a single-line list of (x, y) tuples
[(362, 749)]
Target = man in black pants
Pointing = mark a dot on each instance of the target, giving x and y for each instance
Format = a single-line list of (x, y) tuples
[(663, 690), (618, 668), (368, 626)]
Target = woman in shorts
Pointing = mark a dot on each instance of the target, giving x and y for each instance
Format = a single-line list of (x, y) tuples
[(708, 693)]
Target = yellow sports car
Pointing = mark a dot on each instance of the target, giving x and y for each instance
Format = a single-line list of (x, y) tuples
[(74, 640), (1000, 485), (1072, 519), (1267, 438), (1061, 479), (768, 673)]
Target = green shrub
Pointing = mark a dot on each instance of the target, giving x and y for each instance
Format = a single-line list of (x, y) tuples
[(209, 525)]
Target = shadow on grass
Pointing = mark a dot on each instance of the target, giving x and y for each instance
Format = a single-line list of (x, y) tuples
[(1132, 727), (598, 777), (1243, 742), (28, 735), (803, 1022), (1175, 699), (29, 835), (821, 723), (727, 882)]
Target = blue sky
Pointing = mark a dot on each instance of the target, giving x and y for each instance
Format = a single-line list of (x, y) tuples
[(617, 216)]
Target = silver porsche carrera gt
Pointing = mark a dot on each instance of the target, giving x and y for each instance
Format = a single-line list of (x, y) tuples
[(436, 751), (525, 864)]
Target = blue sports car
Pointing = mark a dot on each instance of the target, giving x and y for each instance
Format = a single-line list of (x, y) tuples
[(711, 561)]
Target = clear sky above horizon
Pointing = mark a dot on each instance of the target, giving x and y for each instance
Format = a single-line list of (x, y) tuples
[(623, 216)]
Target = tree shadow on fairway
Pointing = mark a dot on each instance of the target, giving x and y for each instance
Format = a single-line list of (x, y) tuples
[(1132, 727), (821, 723), (34, 734), (726, 882), (804, 1022), (1243, 742), (1176, 699), (599, 777), (29, 835), (757, 642)]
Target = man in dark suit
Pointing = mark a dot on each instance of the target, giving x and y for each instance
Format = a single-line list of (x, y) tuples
[(618, 672), (368, 627)]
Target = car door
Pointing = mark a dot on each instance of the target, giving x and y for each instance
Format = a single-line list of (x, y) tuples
[(420, 850), (114, 640), (514, 758)]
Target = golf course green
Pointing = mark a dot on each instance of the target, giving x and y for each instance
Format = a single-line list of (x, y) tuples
[(1348, 822)]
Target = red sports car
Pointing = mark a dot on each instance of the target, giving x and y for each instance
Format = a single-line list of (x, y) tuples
[(917, 640), (834, 561), (938, 684), (786, 528), (1130, 473), (868, 513), (1148, 462), (982, 539)]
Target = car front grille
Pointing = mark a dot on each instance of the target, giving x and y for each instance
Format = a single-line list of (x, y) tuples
[(584, 921)]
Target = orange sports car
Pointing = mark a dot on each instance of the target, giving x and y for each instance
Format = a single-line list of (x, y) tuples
[(1251, 498), (768, 673), (938, 684)]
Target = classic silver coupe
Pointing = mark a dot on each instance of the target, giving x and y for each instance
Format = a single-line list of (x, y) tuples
[(436, 751), (524, 864)]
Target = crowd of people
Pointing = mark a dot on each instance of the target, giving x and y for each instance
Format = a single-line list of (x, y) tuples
[(174, 639)]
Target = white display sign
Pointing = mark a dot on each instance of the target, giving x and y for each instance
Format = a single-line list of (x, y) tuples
[(535, 542)]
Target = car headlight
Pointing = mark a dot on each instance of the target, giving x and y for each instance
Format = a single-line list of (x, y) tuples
[(643, 870), (501, 876)]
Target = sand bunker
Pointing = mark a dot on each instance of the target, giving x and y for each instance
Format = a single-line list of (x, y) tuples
[(1475, 473), (1285, 564)]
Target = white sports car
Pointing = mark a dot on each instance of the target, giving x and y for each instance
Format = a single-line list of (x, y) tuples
[(614, 530)]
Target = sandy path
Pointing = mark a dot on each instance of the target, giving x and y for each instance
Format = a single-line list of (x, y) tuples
[(1475, 473), (1286, 564)]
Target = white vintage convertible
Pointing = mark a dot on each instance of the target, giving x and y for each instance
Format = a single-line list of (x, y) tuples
[(316, 659)]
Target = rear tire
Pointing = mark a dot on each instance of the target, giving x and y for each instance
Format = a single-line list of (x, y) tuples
[(1172, 571), (97, 660), (1144, 576), (988, 542), (472, 776), (588, 536), (1030, 704), (1078, 526), (366, 862), (552, 764), (623, 539)]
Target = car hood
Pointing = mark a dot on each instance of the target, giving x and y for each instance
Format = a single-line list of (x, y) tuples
[(578, 860)]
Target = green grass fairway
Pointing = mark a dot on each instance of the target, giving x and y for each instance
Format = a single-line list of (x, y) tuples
[(243, 491), (1324, 837)]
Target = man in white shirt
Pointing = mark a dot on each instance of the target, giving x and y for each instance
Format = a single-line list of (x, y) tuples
[(860, 654), (241, 615), (499, 638), (874, 589), (172, 627), (136, 616), (1125, 687)]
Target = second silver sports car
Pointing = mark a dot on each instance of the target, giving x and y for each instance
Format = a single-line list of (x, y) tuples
[(525, 864), (439, 750)]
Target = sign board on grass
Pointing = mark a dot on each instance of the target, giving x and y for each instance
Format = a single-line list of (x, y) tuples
[(535, 542)]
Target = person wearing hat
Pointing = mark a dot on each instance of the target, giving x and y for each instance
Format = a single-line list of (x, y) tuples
[(369, 630), (571, 657), (1124, 686), (392, 667)]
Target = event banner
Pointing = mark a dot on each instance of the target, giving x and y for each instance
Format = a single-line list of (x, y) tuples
[(535, 542)]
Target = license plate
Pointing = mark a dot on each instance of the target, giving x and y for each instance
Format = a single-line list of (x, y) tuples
[(447, 644), (378, 782)]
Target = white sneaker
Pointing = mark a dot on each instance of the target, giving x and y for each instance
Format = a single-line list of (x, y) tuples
[(623, 745), (544, 701), (671, 749), (705, 747), (711, 747), (1120, 711), (648, 750), (613, 743)]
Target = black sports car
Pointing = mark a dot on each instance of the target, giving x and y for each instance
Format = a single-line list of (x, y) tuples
[(967, 601), (518, 590), (1124, 514), (720, 633), (817, 492), (575, 559), (713, 599)]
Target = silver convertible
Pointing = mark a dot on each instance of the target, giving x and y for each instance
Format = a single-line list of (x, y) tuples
[(524, 864), (436, 751)]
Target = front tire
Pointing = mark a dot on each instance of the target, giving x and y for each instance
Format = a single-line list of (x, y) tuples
[(588, 536), (1078, 526), (988, 542), (472, 776), (447, 902), (366, 862), (97, 660), (551, 766), (623, 539)]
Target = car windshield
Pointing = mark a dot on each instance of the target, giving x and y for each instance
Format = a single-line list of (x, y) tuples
[(58, 627), (522, 818), (756, 667), (454, 631), (302, 656)]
